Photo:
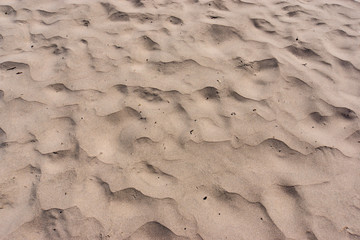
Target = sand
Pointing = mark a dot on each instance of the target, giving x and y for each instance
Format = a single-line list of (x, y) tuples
[(184, 119)]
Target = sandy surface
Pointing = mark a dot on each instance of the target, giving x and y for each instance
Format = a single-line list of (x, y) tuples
[(186, 119)]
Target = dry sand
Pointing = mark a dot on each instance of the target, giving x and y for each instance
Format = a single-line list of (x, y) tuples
[(159, 119)]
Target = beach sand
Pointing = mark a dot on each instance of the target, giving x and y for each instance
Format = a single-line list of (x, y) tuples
[(180, 119)]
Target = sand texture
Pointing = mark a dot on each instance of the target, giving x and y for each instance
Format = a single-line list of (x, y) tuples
[(179, 119)]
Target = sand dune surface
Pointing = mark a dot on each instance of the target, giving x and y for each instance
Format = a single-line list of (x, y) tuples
[(180, 119)]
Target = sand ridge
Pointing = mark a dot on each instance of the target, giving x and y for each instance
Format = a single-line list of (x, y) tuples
[(158, 119)]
